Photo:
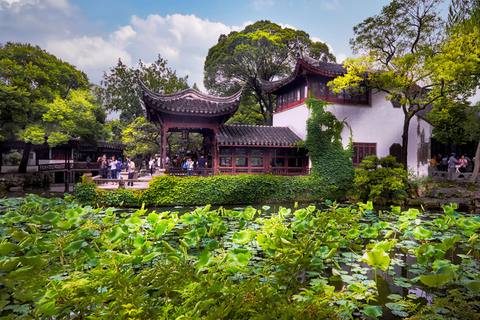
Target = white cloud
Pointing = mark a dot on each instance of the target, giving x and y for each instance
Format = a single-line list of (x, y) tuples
[(341, 57), (330, 48), (89, 54), (263, 4), (330, 5)]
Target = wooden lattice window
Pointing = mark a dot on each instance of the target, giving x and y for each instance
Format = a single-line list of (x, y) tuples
[(362, 150)]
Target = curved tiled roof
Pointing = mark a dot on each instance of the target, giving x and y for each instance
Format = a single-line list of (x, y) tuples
[(328, 69), (243, 135), (190, 101)]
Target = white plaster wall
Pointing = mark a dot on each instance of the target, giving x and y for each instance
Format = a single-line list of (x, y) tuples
[(378, 123), (294, 118)]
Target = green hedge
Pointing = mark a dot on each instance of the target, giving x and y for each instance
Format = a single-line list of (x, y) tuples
[(241, 189)]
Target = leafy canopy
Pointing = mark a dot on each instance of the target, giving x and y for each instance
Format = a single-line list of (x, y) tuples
[(406, 54), (30, 80), (120, 91), (262, 50)]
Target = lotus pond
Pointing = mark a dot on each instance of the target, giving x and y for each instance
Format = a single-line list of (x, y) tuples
[(61, 260)]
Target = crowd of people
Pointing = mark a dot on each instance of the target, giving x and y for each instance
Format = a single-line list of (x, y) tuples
[(452, 164), (110, 168)]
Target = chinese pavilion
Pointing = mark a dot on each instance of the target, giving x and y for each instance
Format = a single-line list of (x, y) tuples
[(229, 149)]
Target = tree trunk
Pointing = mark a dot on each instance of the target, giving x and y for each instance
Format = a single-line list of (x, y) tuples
[(406, 125), (476, 166), (22, 168)]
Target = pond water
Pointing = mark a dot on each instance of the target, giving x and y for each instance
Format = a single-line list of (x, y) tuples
[(408, 256), (399, 286)]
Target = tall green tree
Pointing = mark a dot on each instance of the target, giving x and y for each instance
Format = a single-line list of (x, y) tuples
[(262, 50), (407, 54), (464, 22), (142, 139), (120, 92), (43, 99)]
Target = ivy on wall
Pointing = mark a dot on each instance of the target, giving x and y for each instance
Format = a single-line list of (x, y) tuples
[(331, 163)]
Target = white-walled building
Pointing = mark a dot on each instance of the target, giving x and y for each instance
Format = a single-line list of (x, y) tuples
[(376, 123)]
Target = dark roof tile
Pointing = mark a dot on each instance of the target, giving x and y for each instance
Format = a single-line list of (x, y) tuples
[(190, 101), (244, 135)]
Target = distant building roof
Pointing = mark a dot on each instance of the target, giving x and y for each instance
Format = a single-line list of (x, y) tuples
[(243, 135), (328, 69), (190, 102)]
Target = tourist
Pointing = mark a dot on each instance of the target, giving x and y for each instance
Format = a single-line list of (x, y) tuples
[(189, 166), (113, 169), (469, 163), (104, 167), (89, 159), (201, 164), (445, 163), (151, 166), (131, 171), (119, 167), (452, 162), (463, 164), (439, 163)]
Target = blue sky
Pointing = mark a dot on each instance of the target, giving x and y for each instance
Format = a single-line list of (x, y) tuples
[(94, 34)]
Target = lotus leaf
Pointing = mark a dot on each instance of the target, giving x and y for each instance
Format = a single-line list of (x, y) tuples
[(138, 242), (385, 245), (332, 235), (437, 264), (249, 213), (377, 258), (9, 264), (116, 234), (7, 248), (474, 286), (243, 236), (435, 280), (370, 232), (301, 214), (73, 247), (353, 233), (421, 233), (204, 259), (468, 224), (396, 209), (13, 217), (153, 218), (373, 311), (212, 244), (188, 219)]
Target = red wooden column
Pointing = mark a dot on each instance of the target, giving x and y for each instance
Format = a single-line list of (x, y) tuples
[(215, 157)]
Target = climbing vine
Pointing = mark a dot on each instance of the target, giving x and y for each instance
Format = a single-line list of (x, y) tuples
[(331, 162)]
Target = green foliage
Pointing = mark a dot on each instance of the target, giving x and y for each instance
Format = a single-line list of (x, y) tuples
[(12, 157), (380, 184), (331, 163), (240, 189), (41, 95), (85, 192), (59, 259), (142, 139), (406, 49), (121, 92), (240, 58), (89, 193)]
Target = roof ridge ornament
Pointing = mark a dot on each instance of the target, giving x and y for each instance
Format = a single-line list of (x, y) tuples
[(298, 51)]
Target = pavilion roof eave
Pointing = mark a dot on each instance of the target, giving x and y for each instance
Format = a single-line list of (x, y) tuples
[(327, 69)]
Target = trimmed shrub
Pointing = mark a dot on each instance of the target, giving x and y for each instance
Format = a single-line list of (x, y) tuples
[(380, 180), (241, 189)]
